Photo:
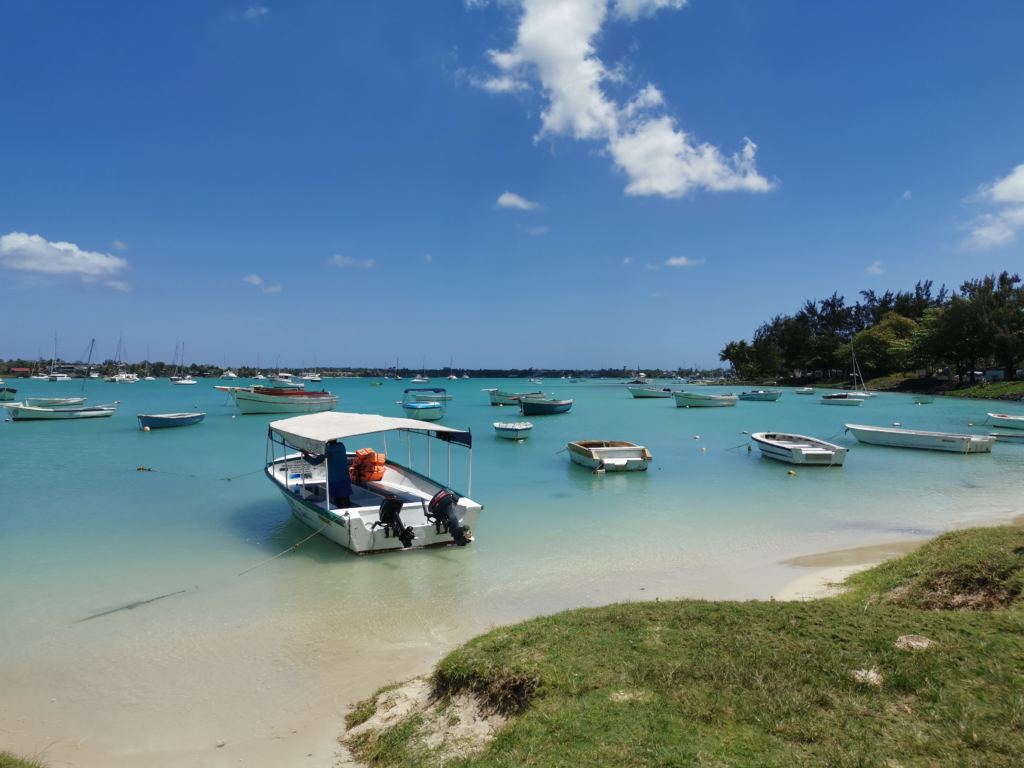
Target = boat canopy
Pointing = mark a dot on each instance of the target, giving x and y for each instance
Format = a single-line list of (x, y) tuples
[(314, 431), (435, 390)]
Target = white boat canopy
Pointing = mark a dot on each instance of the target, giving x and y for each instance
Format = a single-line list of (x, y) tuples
[(314, 431)]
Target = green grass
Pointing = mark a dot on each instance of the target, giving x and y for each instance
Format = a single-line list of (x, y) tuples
[(988, 390), (699, 683), (9, 760)]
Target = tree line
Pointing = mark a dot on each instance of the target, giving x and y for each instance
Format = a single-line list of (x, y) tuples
[(981, 324)]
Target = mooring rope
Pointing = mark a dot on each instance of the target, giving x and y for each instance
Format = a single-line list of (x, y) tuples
[(292, 548), (201, 477)]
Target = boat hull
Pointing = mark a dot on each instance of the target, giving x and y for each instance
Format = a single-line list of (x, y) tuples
[(7, 394), (610, 457), (1004, 437), (53, 402), (262, 402), (929, 441), (531, 407), (166, 420), (512, 398), (805, 391), (27, 413), (641, 393), (426, 397), (762, 397), (695, 400), (851, 402), (1002, 420), (798, 449), (519, 431), (424, 411)]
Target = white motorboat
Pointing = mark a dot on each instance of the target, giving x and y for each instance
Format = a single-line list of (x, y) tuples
[(700, 400), (1007, 437), (931, 441), (609, 455), (644, 392), (761, 395), (229, 375), (285, 381), (396, 508), (517, 431), (805, 391), (799, 449), (181, 376), (426, 410), (1004, 420), (58, 377), (420, 380), (20, 412), (126, 378), (924, 399), (465, 375), (259, 400), (53, 402), (842, 399), (535, 381), (512, 398)]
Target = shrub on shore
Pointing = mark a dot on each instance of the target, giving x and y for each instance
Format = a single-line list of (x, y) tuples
[(10, 760)]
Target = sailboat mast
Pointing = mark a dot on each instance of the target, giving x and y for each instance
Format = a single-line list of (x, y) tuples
[(87, 363)]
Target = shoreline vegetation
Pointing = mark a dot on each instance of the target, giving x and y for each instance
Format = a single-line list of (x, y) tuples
[(916, 661), (10, 760)]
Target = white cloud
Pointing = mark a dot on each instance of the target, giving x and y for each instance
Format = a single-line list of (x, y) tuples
[(33, 253), (682, 261), (555, 44), (907, 194), (537, 230), (347, 261), (876, 268), (254, 12), (428, 257), (627, 261), (652, 266), (635, 9), (512, 200), (120, 245), (500, 84), (253, 279), (992, 230), (272, 289)]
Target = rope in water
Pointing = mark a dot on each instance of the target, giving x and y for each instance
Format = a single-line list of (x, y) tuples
[(292, 548), (203, 477)]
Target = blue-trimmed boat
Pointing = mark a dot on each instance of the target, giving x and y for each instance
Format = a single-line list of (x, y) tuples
[(417, 407), (543, 407), (164, 420)]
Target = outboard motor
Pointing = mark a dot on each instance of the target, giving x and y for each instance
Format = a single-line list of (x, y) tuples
[(441, 512), (391, 521)]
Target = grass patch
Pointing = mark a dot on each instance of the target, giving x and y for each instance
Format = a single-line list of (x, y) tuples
[(989, 390), (974, 569), (884, 383), (391, 746), (10, 760), (363, 710), (689, 682)]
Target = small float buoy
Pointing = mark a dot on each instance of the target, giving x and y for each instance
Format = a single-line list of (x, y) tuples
[(896, 424), (232, 415), (696, 437), (970, 425), (117, 401), (703, 449), (749, 449), (792, 472), (145, 429), (745, 432)]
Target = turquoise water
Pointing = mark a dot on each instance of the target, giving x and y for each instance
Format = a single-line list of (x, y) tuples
[(82, 532)]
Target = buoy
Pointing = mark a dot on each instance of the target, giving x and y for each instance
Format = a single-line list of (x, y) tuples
[(792, 472), (696, 437), (970, 425), (896, 424), (118, 402), (232, 415), (145, 429), (749, 449), (745, 432), (703, 449)]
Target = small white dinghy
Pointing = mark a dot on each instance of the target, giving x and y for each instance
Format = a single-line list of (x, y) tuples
[(924, 399), (609, 456), (1003, 420), (798, 449), (642, 392), (841, 399), (517, 431), (805, 391), (929, 441), (53, 402), (699, 400), (21, 412)]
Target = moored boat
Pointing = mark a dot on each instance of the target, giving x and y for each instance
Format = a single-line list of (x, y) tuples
[(931, 441), (499, 397), (21, 412), (805, 391), (53, 402), (253, 400), (513, 431), (165, 420), (924, 399), (842, 398), (1004, 420), (761, 395), (7, 394), (700, 400), (645, 392), (799, 449), (609, 455), (430, 409), (1007, 437), (533, 407), (393, 508)]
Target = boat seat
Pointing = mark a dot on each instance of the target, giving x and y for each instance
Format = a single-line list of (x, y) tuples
[(818, 451), (405, 493), (616, 462)]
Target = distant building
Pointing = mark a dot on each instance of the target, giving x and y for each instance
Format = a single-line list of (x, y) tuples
[(21, 371), (995, 374)]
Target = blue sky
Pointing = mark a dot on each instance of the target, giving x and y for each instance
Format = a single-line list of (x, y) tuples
[(512, 184)]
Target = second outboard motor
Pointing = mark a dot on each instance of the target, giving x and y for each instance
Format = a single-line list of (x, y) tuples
[(391, 521), (441, 512)]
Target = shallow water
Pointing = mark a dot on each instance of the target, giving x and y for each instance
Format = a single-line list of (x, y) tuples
[(90, 659)]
